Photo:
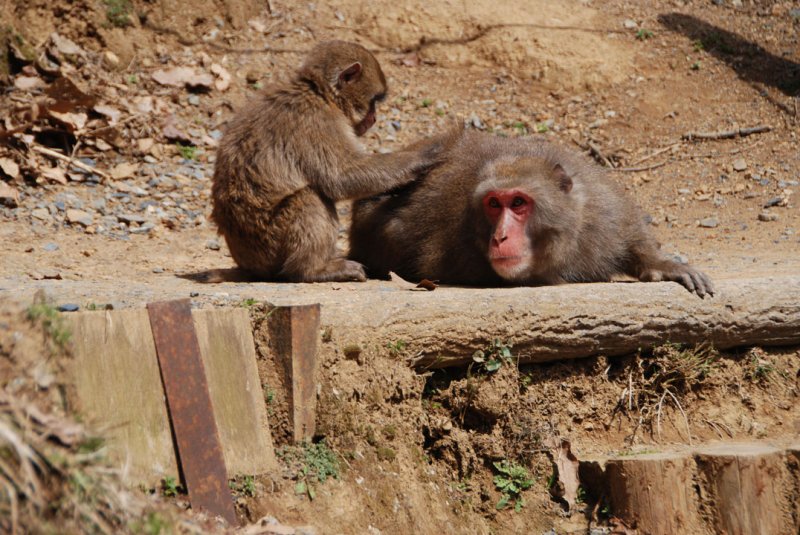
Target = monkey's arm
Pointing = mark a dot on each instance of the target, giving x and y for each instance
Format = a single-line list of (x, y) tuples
[(653, 266)]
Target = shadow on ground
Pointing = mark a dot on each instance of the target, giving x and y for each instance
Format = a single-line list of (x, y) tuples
[(750, 61)]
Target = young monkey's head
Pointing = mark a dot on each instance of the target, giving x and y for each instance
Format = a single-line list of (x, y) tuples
[(353, 76)]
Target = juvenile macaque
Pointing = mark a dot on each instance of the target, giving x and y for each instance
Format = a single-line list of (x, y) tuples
[(289, 155), (515, 212)]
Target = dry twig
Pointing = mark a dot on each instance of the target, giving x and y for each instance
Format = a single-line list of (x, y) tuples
[(72, 161), (727, 134)]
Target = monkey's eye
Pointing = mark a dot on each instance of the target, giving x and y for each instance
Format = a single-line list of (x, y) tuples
[(518, 201), (494, 203)]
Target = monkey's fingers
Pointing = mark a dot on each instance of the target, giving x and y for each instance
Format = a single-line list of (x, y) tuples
[(687, 281), (703, 284)]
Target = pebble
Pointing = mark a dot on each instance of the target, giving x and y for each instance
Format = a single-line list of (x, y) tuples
[(739, 164), (131, 218), (79, 216), (194, 294), (684, 191), (68, 307), (50, 247), (767, 216), (144, 229), (158, 270), (41, 213), (773, 202), (212, 244), (475, 121), (709, 222), (194, 100), (630, 24)]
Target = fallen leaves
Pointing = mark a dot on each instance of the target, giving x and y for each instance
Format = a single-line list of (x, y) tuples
[(183, 76)]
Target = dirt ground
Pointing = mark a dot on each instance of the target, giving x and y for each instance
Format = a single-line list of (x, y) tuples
[(626, 81)]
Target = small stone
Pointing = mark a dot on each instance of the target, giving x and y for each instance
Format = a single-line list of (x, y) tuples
[(111, 58), (68, 307), (630, 24), (41, 213), (684, 191), (739, 164), (709, 222), (212, 244), (50, 247), (51, 274), (158, 270), (131, 218), (767, 216), (194, 100), (775, 201), (194, 294), (475, 121), (79, 216)]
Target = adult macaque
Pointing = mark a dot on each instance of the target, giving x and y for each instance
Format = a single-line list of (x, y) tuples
[(289, 155), (515, 212)]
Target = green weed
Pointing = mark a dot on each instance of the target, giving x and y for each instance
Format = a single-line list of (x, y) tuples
[(118, 12), (189, 152), (51, 321), (493, 357), (511, 480)]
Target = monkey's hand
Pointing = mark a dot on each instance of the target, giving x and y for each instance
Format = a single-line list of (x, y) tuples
[(693, 279)]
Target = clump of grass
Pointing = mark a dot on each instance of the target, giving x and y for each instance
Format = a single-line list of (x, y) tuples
[(511, 479), (644, 34), (187, 152), (313, 464), (51, 321), (494, 356), (244, 486), (118, 12)]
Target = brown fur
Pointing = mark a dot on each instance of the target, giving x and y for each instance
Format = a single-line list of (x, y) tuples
[(290, 154), (436, 228)]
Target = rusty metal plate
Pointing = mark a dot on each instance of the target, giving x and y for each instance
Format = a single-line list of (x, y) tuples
[(190, 410), (294, 336)]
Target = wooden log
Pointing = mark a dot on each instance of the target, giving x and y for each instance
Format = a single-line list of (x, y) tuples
[(654, 493), (580, 320), (747, 489)]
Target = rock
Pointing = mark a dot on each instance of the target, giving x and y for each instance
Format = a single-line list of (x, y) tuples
[(739, 164), (144, 229), (709, 222), (158, 270), (212, 244), (8, 195), (475, 121), (124, 170), (79, 216), (684, 191), (68, 307), (65, 46), (767, 216), (41, 213), (194, 100), (775, 201), (9, 167), (111, 59), (183, 76), (194, 294), (630, 24), (131, 218), (26, 83)]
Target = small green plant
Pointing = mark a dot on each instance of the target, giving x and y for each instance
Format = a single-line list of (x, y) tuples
[(520, 127), (244, 486), (269, 394), (695, 66), (118, 12), (316, 463), (189, 152), (698, 46), (440, 112), (51, 321), (511, 480), (493, 357), (132, 79), (644, 34), (581, 495), (397, 347), (170, 487), (247, 303), (152, 524), (425, 103), (91, 445), (541, 128)]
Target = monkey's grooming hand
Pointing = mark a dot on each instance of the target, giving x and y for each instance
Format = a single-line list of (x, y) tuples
[(692, 279)]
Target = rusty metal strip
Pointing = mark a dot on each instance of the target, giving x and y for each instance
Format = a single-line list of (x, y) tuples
[(190, 410), (294, 336)]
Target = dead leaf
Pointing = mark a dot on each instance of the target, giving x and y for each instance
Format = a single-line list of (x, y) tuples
[(26, 83), (73, 121), (8, 194), (124, 170), (68, 96), (183, 76), (145, 144), (411, 60), (400, 282), (567, 466), (56, 174), (427, 284), (113, 114), (9, 167), (102, 145)]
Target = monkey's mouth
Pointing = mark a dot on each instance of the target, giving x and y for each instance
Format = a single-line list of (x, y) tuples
[(510, 267)]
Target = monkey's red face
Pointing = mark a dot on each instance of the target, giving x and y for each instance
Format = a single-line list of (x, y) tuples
[(510, 251)]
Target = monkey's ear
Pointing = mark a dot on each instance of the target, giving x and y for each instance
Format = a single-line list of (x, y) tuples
[(350, 74), (562, 178)]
